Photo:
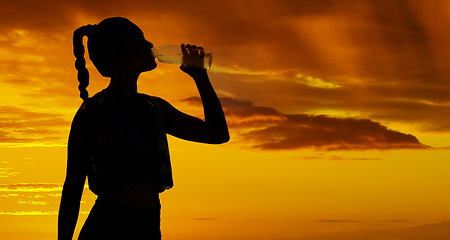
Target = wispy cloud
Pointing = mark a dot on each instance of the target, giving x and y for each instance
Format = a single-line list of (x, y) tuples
[(31, 199), (37, 203), (30, 213), (36, 213), (31, 187), (337, 221), (339, 158), (204, 219), (18, 125), (7, 172)]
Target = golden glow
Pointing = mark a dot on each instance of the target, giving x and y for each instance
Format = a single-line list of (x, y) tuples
[(242, 71), (315, 82), (372, 60)]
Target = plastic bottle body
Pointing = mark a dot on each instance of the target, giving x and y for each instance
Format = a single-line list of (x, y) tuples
[(172, 54)]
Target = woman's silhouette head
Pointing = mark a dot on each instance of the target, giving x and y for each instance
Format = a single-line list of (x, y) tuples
[(114, 45)]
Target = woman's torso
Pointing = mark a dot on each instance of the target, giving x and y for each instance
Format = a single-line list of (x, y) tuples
[(130, 164)]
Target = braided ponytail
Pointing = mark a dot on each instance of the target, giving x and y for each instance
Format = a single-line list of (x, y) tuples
[(80, 62), (101, 39)]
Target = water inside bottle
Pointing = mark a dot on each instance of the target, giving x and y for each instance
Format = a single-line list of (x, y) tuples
[(172, 54)]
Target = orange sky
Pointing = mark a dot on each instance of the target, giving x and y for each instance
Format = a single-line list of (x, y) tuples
[(338, 112)]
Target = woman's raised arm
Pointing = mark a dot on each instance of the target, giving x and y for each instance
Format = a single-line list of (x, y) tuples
[(214, 128)]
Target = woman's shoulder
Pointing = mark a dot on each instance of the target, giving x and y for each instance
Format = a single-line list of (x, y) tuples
[(90, 106), (154, 99)]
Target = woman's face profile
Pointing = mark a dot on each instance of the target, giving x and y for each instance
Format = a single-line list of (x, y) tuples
[(136, 52)]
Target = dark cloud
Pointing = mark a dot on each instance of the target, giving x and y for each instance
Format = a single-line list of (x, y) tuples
[(243, 114), (322, 132), (40, 16), (266, 128)]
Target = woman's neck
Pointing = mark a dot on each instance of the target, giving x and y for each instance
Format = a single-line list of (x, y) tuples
[(125, 85)]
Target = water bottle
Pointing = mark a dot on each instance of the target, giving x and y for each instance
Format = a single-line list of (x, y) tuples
[(168, 53)]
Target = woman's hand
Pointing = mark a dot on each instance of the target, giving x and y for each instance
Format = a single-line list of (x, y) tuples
[(193, 60)]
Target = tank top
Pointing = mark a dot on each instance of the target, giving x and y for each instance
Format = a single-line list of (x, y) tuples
[(136, 148)]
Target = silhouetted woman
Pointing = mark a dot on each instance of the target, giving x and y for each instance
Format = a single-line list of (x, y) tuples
[(118, 136)]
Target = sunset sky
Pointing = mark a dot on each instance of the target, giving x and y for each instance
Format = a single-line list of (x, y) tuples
[(338, 112)]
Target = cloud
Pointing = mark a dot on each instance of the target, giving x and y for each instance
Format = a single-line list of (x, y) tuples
[(31, 198), (19, 125), (36, 213), (339, 158), (31, 187), (204, 219), (324, 38), (322, 132), (30, 213), (425, 108), (337, 221), (242, 114), (400, 220), (7, 172), (36, 15), (266, 128), (36, 203)]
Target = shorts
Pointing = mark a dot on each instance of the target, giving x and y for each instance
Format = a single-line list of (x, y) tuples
[(111, 220)]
